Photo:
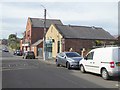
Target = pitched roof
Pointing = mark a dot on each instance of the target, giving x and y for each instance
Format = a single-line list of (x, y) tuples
[(83, 32), (39, 22), (38, 42)]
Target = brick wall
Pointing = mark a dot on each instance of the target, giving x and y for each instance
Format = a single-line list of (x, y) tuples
[(33, 34), (78, 44), (36, 34)]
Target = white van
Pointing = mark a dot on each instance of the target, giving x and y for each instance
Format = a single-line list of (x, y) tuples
[(104, 61)]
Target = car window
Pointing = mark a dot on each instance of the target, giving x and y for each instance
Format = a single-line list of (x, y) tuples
[(90, 56), (61, 54), (72, 54)]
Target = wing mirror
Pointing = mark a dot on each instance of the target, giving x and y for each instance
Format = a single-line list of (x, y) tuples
[(85, 58), (64, 57)]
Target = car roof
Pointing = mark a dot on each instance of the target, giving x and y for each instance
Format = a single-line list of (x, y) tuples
[(67, 52), (106, 48)]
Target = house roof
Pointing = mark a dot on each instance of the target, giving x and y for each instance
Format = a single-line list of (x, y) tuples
[(39, 22), (38, 42), (83, 32)]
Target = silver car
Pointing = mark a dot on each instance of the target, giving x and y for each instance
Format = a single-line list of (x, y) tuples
[(68, 59)]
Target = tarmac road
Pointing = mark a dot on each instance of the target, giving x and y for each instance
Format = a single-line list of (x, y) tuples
[(36, 73)]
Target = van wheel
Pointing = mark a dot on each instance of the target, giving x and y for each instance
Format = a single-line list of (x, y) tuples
[(104, 74), (82, 69), (68, 65)]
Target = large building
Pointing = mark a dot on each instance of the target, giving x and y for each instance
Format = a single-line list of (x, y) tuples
[(34, 33), (63, 37)]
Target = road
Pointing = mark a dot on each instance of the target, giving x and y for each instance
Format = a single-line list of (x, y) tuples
[(36, 73)]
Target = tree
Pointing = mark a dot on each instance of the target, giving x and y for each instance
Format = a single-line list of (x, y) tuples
[(14, 42), (12, 37)]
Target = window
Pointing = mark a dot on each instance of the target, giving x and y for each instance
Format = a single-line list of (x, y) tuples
[(90, 56), (61, 54), (72, 54)]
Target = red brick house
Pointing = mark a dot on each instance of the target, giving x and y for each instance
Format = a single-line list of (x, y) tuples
[(34, 32)]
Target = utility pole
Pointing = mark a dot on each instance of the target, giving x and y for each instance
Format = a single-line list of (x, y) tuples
[(44, 38)]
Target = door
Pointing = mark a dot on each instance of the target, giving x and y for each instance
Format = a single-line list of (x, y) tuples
[(60, 58), (40, 52), (89, 62), (63, 59)]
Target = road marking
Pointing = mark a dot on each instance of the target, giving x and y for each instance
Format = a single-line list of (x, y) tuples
[(8, 69), (117, 85)]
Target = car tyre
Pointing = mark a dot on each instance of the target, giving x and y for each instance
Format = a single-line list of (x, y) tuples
[(104, 74), (82, 69), (68, 65), (57, 64)]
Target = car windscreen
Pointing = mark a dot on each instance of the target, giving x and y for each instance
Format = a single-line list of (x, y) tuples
[(72, 54)]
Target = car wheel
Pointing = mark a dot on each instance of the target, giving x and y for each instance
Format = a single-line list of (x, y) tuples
[(57, 64), (104, 74), (82, 69), (68, 65)]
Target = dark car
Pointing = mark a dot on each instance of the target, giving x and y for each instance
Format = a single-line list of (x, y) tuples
[(29, 55), (68, 59), (18, 52)]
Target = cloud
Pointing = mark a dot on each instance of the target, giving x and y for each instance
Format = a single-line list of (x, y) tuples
[(60, 1), (103, 14), (17, 12)]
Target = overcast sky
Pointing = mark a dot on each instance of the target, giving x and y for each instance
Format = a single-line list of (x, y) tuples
[(99, 13)]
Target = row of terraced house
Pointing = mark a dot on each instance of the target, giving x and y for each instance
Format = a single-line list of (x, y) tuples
[(60, 37)]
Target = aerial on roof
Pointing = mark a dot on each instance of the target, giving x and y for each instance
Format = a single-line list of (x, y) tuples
[(39, 22), (83, 32)]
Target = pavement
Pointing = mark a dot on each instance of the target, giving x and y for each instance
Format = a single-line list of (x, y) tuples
[(49, 61)]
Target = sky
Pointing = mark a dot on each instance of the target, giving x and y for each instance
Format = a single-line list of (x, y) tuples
[(98, 13)]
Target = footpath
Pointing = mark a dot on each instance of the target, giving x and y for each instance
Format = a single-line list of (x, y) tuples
[(49, 61)]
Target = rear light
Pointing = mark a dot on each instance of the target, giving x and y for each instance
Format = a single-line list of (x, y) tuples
[(112, 64)]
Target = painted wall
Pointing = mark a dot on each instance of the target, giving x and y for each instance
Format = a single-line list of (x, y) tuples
[(53, 34)]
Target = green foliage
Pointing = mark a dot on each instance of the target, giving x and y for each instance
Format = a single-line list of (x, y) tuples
[(98, 43), (14, 42), (12, 37)]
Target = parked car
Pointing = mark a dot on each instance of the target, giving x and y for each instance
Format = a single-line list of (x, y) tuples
[(29, 55), (18, 52), (5, 50), (68, 59), (104, 61)]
